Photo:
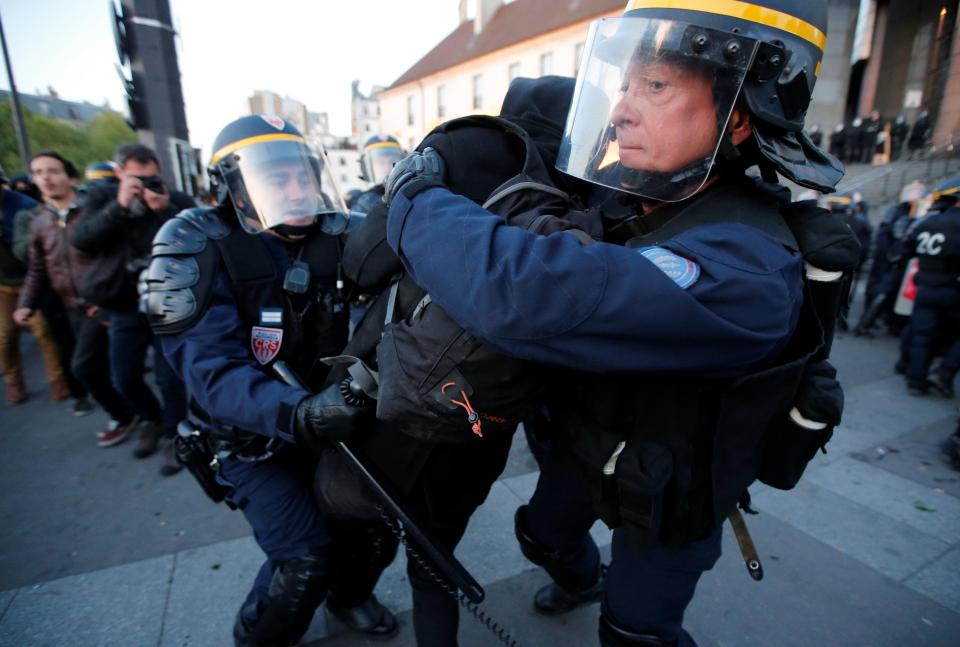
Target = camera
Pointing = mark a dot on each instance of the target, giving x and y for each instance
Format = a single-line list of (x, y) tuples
[(153, 183)]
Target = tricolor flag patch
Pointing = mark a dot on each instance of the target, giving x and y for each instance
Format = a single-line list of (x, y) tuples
[(681, 271), (271, 317)]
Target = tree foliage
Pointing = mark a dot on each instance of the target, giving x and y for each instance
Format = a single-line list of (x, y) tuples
[(94, 141)]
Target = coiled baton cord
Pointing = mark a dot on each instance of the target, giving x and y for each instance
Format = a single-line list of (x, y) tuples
[(474, 609)]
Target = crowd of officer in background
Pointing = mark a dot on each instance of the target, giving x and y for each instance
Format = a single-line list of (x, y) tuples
[(860, 139), (71, 249), (909, 270)]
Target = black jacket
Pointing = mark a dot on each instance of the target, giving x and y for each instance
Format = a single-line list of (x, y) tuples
[(107, 226)]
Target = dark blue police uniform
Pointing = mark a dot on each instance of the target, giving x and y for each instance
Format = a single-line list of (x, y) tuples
[(716, 301), (242, 321), (936, 312), (274, 492)]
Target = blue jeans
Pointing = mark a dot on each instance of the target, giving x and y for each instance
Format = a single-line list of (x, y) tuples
[(130, 337)]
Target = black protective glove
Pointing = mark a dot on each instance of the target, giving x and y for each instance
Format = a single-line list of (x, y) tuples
[(326, 417), (820, 396), (413, 174)]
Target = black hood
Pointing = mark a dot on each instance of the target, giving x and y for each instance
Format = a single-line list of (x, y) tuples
[(540, 107)]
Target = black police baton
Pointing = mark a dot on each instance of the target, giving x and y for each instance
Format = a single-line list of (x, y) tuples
[(448, 565)]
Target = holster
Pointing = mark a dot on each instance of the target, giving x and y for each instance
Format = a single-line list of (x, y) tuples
[(193, 452)]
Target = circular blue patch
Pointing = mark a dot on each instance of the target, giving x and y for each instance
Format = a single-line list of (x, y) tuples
[(681, 271)]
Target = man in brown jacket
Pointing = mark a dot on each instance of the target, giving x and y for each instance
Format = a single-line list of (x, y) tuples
[(53, 260), (12, 271)]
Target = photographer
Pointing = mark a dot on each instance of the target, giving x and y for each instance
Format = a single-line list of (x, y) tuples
[(119, 227)]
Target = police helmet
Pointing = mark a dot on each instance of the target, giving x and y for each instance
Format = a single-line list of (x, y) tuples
[(380, 153), (100, 171), (844, 202), (913, 192), (947, 193), (275, 181), (659, 57)]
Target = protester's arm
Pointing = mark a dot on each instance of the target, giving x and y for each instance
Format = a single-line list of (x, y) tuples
[(601, 307), (21, 234), (100, 231)]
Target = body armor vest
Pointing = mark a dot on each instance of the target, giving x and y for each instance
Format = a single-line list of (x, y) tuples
[(187, 255), (666, 458)]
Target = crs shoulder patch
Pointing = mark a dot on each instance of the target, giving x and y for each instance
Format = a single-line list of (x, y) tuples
[(681, 271)]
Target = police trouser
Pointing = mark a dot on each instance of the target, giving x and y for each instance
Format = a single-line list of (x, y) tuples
[(936, 312), (276, 498), (645, 591)]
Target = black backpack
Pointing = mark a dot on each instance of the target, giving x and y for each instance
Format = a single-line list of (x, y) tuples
[(436, 380)]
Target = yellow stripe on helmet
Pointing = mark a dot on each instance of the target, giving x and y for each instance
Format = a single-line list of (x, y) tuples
[(939, 194), (744, 11), (99, 175), (257, 139), (381, 145), (838, 199)]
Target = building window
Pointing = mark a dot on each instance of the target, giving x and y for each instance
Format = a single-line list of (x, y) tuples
[(546, 64), (577, 55), (477, 91), (410, 110), (441, 101), (513, 71)]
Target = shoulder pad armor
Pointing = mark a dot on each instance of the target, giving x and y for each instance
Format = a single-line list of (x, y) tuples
[(182, 269), (188, 232), (167, 308)]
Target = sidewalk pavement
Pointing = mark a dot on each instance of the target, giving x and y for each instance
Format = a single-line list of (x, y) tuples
[(865, 551)]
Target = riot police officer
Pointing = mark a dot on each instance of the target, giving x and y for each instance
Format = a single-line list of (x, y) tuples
[(838, 142), (666, 330), (889, 258), (380, 153), (935, 240), (100, 174), (232, 290), (851, 209)]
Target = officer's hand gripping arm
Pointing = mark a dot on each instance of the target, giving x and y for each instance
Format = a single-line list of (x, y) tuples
[(414, 173)]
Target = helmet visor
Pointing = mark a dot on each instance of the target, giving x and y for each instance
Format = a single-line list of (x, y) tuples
[(281, 182), (652, 101), (379, 158)]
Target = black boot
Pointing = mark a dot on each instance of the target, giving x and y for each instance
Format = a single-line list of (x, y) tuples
[(360, 552), (870, 314), (613, 636), (568, 590), (369, 618), (554, 600)]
